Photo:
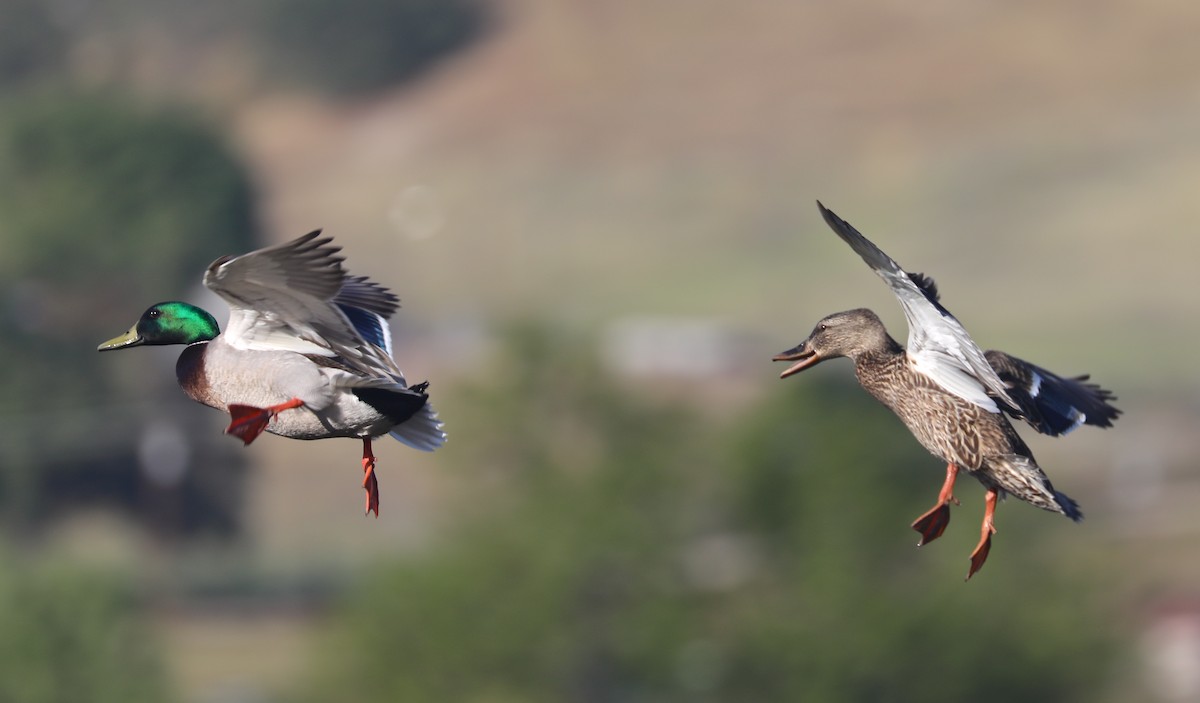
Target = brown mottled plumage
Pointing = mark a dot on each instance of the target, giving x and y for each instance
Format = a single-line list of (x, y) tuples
[(951, 395), (960, 433)]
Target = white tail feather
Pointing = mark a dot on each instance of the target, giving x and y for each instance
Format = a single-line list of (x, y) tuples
[(421, 431)]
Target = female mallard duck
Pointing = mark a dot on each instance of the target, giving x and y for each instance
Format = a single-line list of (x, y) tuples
[(306, 354), (952, 396)]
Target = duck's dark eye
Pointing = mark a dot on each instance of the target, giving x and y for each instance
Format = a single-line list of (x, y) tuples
[(154, 313), (821, 327)]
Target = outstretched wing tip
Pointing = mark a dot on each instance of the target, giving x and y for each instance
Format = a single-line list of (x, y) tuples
[(936, 340)]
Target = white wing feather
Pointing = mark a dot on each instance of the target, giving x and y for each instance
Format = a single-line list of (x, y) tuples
[(938, 345)]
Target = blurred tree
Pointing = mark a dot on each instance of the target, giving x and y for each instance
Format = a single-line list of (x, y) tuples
[(639, 555), (32, 46), (106, 209), (95, 187), (358, 46), (71, 634)]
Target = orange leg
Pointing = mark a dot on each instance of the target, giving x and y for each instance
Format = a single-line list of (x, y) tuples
[(369, 481), (933, 523), (980, 554), (249, 421)]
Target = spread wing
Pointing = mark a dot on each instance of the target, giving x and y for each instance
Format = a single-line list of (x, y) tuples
[(938, 346), (297, 297), (1052, 404)]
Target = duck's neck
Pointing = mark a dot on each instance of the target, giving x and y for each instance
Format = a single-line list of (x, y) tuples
[(883, 350), (189, 371), (876, 368)]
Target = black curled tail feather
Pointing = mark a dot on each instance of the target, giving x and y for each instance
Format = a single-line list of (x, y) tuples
[(397, 406), (1051, 404)]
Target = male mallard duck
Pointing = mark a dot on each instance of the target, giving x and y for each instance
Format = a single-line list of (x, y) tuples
[(952, 396), (307, 353)]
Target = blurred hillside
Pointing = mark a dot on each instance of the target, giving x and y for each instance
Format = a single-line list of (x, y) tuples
[(640, 180), (1030, 157)]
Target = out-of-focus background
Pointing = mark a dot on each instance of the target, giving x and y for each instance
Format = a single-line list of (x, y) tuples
[(600, 217)]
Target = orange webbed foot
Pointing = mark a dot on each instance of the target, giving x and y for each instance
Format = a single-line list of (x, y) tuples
[(988, 529), (249, 421), (932, 524), (980, 554), (370, 483)]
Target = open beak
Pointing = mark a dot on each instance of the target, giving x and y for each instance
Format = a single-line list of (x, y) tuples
[(129, 339), (800, 354)]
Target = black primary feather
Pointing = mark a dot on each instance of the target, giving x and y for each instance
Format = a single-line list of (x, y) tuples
[(1053, 405)]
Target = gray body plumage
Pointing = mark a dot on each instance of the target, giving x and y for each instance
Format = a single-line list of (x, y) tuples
[(307, 353), (218, 375), (300, 327)]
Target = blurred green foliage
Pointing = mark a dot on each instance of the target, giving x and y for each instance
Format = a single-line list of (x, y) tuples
[(634, 553), (351, 47), (72, 634), (95, 187), (106, 207)]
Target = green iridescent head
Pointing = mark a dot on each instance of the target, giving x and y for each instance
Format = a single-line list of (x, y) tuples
[(167, 323)]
